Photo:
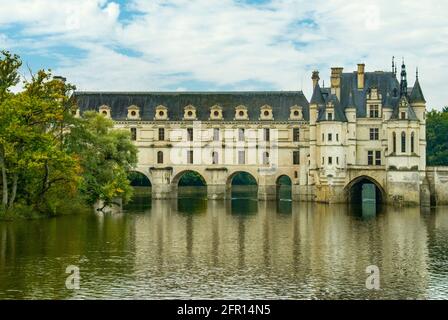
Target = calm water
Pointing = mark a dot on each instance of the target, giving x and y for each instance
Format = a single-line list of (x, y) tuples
[(193, 248)]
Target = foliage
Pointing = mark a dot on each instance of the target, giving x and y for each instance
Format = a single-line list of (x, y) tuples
[(48, 158), (437, 137), (138, 179)]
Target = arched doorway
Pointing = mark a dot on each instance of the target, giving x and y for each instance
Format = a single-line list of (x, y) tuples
[(189, 184), (365, 195), (284, 185)]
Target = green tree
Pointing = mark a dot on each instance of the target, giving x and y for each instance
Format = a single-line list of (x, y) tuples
[(107, 156), (437, 137)]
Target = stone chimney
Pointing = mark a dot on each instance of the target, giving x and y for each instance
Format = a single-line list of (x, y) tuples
[(315, 78), (361, 67), (336, 75)]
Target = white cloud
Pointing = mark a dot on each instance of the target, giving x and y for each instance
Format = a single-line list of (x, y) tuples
[(225, 43)]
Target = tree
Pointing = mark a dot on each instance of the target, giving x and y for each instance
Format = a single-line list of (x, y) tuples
[(107, 156), (436, 137)]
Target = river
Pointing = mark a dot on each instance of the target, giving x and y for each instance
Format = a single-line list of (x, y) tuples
[(191, 248)]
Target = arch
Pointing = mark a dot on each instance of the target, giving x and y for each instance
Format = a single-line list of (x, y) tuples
[(283, 187), (354, 188), (242, 185), (245, 177), (139, 179), (194, 179)]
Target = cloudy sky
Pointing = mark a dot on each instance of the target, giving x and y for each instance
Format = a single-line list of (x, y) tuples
[(214, 45)]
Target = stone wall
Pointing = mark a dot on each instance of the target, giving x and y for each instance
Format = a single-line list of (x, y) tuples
[(438, 184)]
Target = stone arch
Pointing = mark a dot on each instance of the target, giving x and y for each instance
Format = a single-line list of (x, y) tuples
[(237, 172), (142, 173), (176, 178), (279, 182), (359, 181)]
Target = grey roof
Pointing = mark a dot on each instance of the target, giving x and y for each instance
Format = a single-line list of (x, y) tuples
[(417, 93), (409, 109), (339, 114), (317, 97), (280, 101)]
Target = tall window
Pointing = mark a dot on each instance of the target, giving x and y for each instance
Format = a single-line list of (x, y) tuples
[(266, 134), (377, 158), (330, 160), (189, 134), (295, 134), (394, 142), (412, 142), (215, 134), (403, 115), (373, 158), (215, 158), (241, 157), (330, 137), (337, 136), (374, 111), (133, 134), (161, 134), (159, 157), (265, 158), (190, 156), (403, 142), (330, 116), (240, 134), (323, 137), (295, 157), (374, 134)]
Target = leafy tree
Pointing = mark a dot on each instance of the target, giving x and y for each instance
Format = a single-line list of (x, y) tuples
[(437, 137)]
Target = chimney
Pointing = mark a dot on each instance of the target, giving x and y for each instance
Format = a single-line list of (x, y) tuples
[(315, 78), (361, 67), (336, 74)]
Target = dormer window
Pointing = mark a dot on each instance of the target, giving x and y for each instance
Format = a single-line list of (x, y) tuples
[(216, 113), (330, 116), (266, 113), (296, 113), (190, 112), (241, 113), (374, 111), (161, 113), (133, 112), (403, 115), (105, 111)]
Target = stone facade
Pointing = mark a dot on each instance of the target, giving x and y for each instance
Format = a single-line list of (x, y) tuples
[(367, 127)]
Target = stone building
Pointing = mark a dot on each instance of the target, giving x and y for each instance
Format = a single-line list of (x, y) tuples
[(366, 128)]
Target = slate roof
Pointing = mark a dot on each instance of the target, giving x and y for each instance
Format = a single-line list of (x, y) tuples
[(417, 93), (280, 101), (339, 114)]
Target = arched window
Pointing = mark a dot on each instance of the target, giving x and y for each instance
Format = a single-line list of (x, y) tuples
[(394, 142), (159, 157), (403, 142), (215, 158), (265, 158), (412, 142)]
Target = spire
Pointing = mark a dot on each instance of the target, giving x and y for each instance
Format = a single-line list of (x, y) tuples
[(394, 70), (403, 81), (317, 97), (417, 93)]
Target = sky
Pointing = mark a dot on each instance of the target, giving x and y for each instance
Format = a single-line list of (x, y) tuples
[(224, 45)]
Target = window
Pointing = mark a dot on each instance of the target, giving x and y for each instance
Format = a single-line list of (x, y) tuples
[(330, 116), (190, 156), (323, 160), (330, 160), (266, 134), (295, 157), (412, 142), (370, 158), (323, 137), (330, 137), (265, 158), (240, 134), (337, 160), (394, 142), (215, 159), (374, 134), (161, 134), (403, 142), (374, 158), (160, 157), (241, 157), (215, 134), (374, 111), (295, 134), (403, 115), (377, 158), (337, 136), (133, 134), (296, 174), (189, 134)]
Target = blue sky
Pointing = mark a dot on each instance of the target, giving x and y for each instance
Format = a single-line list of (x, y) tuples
[(225, 44)]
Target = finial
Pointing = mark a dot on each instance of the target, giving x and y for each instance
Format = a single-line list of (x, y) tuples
[(416, 73)]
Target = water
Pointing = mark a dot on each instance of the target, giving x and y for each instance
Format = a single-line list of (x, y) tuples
[(194, 248)]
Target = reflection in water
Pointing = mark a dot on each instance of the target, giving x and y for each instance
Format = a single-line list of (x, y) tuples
[(282, 250)]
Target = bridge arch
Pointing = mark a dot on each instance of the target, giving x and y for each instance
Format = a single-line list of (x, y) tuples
[(353, 190), (194, 176), (245, 175), (283, 187), (138, 178)]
